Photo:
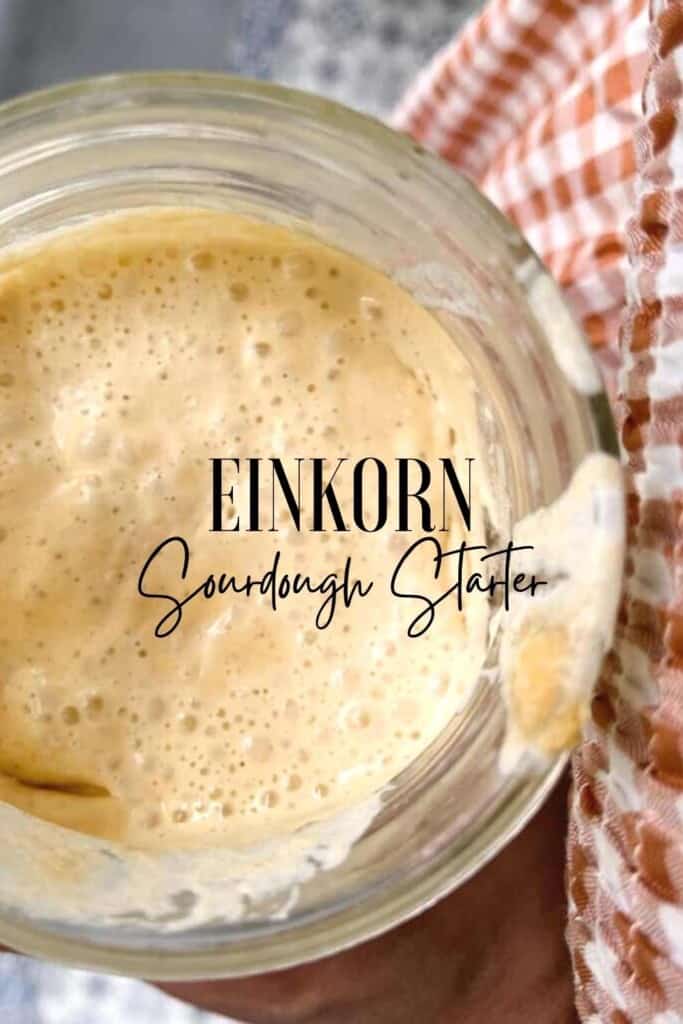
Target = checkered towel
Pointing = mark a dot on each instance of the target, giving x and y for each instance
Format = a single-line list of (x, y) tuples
[(569, 115)]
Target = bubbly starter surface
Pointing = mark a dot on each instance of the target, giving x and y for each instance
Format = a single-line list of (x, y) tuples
[(132, 351)]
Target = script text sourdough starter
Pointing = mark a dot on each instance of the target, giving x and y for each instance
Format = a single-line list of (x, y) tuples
[(133, 351)]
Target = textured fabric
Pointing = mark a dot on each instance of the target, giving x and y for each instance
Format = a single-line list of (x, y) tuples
[(569, 115), (538, 102)]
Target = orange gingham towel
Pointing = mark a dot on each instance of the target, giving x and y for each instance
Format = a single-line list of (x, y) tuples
[(569, 116)]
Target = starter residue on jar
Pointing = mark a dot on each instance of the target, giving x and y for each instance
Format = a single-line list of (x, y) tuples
[(552, 647)]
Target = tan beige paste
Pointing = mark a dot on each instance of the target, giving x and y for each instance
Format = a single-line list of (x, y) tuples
[(132, 351)]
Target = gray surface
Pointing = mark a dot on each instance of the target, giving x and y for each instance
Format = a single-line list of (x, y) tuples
[(360, 51), (363, 52)]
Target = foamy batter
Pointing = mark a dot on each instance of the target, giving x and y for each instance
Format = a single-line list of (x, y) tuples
[(132, 351)]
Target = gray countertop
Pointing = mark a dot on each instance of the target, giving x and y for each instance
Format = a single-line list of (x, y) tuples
[(362, 52)]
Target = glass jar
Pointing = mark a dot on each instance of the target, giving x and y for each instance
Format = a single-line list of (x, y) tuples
[(211, 141)]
